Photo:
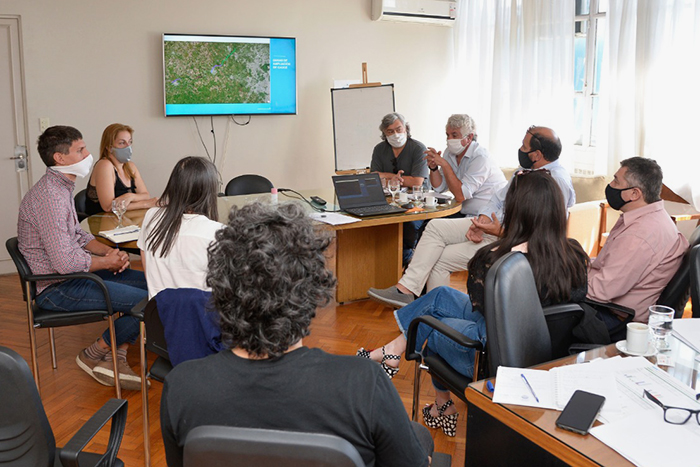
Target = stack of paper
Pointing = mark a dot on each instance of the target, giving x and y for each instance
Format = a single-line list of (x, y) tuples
[(129, 233)]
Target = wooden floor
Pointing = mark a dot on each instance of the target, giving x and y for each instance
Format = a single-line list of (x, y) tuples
[(70, 396)]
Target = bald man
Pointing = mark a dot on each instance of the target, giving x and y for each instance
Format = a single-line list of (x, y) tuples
[(447, 245)]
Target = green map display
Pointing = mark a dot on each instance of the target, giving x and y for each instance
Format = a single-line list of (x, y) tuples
[(217, 72)]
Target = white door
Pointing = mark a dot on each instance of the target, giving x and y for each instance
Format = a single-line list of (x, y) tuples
[(14, 176)]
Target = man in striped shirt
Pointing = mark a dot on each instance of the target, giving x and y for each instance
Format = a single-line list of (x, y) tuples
[(52, 242)]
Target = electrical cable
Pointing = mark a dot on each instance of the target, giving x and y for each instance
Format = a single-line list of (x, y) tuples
[(303, 198), (214, 136), (233, 118), (200, 137)]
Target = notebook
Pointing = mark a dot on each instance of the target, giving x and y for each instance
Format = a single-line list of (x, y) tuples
[(362, 195)]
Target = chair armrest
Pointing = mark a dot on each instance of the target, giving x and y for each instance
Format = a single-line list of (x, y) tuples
[(439, 326), (115, 410), (610, 305), (561, 308), (75, 275), (138, 309)]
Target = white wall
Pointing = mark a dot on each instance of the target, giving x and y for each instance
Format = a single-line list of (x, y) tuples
[(92, 63)]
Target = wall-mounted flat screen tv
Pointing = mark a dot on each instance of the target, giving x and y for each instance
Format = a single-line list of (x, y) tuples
[(229, 75)]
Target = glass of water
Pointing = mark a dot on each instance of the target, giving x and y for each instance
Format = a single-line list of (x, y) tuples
[(661, 325), (418, 195), (119, 208), (394, 187)]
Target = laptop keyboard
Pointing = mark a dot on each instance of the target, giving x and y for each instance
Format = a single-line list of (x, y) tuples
[(368, 210)]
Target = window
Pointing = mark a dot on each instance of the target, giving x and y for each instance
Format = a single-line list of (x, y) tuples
[(589, 40)]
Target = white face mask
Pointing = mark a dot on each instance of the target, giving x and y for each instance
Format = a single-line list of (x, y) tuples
[(397, 140), (455, 146), (79, 169)]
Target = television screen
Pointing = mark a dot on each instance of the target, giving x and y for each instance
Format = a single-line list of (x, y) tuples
[(229, 75)]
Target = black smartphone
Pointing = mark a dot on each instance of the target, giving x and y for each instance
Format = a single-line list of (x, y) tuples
[(580, 412)]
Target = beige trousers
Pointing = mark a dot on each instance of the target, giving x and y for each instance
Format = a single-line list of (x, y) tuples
[(442, 249)]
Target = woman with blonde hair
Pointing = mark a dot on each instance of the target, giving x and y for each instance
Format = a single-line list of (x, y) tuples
[(115, 176)]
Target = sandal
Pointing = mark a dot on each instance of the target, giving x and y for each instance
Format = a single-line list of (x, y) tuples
[(448, 423), (389, 370), (364, 353)]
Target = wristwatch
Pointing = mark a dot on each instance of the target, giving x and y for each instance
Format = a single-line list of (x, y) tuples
[(433, 169)]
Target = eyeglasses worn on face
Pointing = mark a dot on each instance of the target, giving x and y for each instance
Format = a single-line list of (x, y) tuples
[(674, 415), (535, 138)]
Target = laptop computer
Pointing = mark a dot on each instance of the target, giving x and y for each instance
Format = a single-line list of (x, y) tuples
[(362, 195)]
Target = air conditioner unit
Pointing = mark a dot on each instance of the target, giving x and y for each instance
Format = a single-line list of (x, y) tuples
[(439, 12)]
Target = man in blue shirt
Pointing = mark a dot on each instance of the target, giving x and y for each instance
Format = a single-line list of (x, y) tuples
[(443, 248)]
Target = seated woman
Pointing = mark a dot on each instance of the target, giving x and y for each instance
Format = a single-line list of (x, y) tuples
[(175, 236), (115, 176), (267, 271), (535, 224)]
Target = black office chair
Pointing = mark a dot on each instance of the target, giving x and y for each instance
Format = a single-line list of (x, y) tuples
[(40, 318), (222, 446), (247, 185), (81, 204), (152, 339), (695, 280), (517, 325), (677, 292), (26, 437)]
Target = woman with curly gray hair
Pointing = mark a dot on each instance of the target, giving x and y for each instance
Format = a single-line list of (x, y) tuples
[(268, 275)]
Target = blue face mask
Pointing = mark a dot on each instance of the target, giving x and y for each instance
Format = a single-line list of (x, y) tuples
[(123, 155)]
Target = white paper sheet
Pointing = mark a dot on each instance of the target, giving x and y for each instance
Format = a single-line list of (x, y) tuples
[(333, 218), (129, 233)]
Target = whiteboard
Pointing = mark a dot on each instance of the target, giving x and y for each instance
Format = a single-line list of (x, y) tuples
[(357, 113)]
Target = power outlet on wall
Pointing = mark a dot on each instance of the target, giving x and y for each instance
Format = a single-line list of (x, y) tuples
[(44, 123)]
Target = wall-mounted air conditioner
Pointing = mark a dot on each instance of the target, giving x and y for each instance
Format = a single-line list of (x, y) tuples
[(440, 12)]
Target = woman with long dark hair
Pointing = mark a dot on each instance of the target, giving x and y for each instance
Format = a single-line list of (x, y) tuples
[(535, 224), (176, 234)]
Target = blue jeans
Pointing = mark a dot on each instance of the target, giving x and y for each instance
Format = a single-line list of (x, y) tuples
[(126, 289), (453, 308)]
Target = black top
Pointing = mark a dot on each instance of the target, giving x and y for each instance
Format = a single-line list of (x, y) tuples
[(92, 203), (305, 390), (477, 278)]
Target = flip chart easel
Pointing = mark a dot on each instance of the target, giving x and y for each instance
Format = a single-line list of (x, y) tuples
[(357, 113)]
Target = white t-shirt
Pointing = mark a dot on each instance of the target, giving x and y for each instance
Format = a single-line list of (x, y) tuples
[(185, 266)]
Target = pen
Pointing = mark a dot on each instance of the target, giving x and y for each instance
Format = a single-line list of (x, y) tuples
[(489, 386), (529, 387), (127, 232)]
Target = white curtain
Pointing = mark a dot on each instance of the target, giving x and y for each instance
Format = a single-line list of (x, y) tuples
[(513, 69), (653, 65)]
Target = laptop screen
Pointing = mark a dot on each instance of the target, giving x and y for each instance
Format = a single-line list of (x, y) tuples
[(354, 191)]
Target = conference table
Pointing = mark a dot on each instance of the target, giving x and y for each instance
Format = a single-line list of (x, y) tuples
[(365, 254), (503, 434)]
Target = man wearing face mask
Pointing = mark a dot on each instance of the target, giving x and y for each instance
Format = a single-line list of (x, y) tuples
[(399, 156), (465, 168), (443, 248), (53, 242), (644, 248)]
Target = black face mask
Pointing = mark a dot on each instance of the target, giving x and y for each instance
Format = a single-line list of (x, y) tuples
[(614, 196), (523, 160)]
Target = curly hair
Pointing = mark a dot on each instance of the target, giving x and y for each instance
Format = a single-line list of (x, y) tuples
[(267, 271)]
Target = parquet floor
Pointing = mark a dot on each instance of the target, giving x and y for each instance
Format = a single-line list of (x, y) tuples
[(70, 396)]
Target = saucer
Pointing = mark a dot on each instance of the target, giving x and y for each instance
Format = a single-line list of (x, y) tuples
[(622, 347)]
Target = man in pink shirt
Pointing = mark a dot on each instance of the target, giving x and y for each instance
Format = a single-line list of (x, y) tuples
[(644, 248)]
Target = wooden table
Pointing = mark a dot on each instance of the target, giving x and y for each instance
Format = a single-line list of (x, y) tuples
[(367, 253), (502, 434)]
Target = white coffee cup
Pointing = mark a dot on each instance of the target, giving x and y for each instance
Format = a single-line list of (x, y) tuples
[(637, 337), (430, 200), (403, 197)]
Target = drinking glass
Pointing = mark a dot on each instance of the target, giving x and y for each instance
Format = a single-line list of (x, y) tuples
[(394, 187), (661, 325), (119, 208), (418, 195)]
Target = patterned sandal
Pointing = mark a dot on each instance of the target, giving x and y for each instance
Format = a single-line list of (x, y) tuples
[(448, 423), (389, 370), (364, 353)]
